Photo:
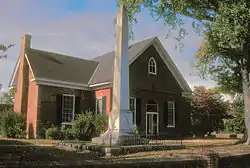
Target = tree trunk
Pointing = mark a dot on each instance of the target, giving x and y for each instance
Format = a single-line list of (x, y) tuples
[(246, 92)]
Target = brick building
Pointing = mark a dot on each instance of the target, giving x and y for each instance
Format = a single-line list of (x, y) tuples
[(53, 88)]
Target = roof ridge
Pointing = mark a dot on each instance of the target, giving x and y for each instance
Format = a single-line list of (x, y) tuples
[(145, 39), (60, 54), (137, 42)]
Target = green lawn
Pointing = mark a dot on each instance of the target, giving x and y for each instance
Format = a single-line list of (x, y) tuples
[(41, 152), (44, 152)]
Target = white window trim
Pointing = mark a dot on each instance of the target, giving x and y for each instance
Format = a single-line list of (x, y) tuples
[(172, 126), (73, 115), (97, 98), (134, 109), (152, 73)]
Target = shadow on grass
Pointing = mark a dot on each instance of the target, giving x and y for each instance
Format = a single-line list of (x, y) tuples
[(25, 153), (209, 146), (12, 142)]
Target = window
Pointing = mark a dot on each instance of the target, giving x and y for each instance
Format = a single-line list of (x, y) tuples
[(100, 105), (152, 66), (68, 108), (171, 114), (132, 108)]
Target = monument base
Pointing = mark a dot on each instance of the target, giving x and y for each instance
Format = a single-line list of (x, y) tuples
[(118, 139)]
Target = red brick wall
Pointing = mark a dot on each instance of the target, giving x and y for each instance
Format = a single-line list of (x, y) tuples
[(32, 108), (107, 93), (21, 95), (18, 93)]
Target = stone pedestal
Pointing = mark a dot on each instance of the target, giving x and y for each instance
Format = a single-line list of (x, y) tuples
[(120, 136), (117, 139)]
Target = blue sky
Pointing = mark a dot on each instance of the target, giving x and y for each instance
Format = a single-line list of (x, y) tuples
[(82, 28)]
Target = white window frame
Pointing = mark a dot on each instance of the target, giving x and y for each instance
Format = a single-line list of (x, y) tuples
[(154, 64), (134, 108), (73, 109), (173, 110), (96, 101)]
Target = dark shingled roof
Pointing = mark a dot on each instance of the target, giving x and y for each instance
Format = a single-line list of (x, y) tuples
[(60, 67), (104, 71)]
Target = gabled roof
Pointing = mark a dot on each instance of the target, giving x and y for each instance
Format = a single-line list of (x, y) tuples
[(47, 65), (72, 71), (104, 71)]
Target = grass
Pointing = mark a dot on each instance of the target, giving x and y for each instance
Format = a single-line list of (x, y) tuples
[(44, 151), (193, 149), (40, 142), (33, 152)]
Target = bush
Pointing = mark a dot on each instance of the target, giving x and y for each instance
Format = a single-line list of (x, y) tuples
[(41, 128), (13, 125), (208, 111), (100, 124), (67, 133), (136, 130), (53, 133), (83, 126)]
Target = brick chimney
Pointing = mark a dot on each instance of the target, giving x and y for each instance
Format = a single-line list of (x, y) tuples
[(21, 95)]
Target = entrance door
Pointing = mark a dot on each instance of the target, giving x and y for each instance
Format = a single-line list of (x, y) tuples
[(152, 119), (152, 123)]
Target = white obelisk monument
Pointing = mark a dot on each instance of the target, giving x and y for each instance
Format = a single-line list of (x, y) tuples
[(120, 119)]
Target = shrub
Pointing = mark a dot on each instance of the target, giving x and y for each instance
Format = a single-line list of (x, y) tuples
[(67, 133), (53, 133), (13, 125), (136, 130), (83, 126), (42, 126), (100, 124), (208, 111)]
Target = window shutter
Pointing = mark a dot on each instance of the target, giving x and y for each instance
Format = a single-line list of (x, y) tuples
[(77, 105), (138, 111), (165, 114), (104, 105), (59, 108)]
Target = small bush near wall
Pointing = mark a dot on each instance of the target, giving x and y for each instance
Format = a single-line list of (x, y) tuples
[(4, 107), (100, 124), (42, 126), (67, 133), (12, 125), (53, 133), (84, 128)]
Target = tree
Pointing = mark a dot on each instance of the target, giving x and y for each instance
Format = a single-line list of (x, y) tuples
[(4, 48), (224, 72), (224, 24), (208, 111), (8, 97), (236, 124)]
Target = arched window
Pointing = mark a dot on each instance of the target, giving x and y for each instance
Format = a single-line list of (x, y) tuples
[(152, 66)]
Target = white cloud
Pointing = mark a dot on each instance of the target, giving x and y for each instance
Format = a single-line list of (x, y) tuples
[(84, 35)]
